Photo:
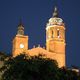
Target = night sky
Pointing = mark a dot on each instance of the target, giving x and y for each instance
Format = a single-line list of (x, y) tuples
[(35, 14)]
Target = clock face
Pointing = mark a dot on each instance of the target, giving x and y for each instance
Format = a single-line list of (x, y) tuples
[(21, 45)]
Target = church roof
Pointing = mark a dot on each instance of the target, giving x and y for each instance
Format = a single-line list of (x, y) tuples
[(40, 50)]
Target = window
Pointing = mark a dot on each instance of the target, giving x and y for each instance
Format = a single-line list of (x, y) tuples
[(52, 34), (58, 33)]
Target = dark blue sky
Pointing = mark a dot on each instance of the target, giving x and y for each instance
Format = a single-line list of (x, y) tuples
[(35, 14)]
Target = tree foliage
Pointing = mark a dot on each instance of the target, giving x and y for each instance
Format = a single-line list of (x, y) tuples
[(3, 56), (24, 67)]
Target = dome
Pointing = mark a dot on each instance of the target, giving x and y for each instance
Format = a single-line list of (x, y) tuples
[(57, 20)]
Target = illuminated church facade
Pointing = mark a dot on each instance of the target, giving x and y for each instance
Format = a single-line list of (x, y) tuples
[(55, 41)]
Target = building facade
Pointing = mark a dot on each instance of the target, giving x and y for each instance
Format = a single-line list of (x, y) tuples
[(55, 41)]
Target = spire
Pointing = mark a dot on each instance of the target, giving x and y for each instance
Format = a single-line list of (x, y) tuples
[(20, 22), (55, 13), (20, 28)]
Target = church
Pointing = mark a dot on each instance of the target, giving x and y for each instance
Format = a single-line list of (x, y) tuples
[(55, 41)]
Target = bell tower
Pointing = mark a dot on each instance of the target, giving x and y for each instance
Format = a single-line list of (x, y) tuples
[(20, 41), (55, 37)]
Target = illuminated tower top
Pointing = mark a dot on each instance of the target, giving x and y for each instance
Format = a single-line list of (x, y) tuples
[(55, 20), (20, 29)]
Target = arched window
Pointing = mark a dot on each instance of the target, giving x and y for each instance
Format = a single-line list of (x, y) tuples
[(52, 34), (58, 33)]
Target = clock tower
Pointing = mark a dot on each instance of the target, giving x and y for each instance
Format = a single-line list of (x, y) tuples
[(55, 37), (20, 41)]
